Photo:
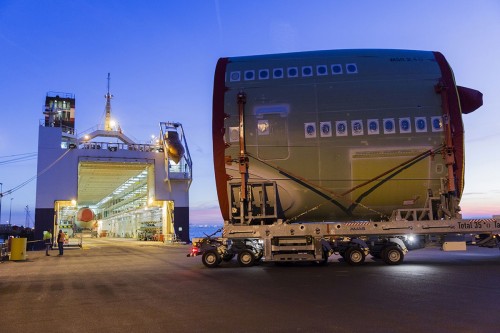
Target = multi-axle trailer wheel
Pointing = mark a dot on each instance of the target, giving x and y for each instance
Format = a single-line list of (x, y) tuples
[(211, 258)]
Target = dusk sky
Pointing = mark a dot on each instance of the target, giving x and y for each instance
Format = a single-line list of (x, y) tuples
[(162, 57)]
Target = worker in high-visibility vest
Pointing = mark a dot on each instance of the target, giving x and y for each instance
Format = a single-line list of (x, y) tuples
[(47, 239), (61, 237)]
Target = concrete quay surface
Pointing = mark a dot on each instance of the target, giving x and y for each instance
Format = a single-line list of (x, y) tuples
[(131, 286)]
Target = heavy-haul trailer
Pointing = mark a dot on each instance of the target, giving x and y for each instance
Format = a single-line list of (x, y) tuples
[(347, 151), (314, 242)]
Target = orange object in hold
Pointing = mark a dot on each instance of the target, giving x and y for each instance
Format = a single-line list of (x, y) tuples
[(85, 214)]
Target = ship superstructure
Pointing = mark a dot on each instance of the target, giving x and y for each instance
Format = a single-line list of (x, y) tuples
[(106, 183)]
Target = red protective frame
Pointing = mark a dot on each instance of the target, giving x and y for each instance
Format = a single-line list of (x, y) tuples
[(219, 145), (457, 127)]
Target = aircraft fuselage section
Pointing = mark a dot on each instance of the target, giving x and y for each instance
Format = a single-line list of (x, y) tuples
[(348, 134)]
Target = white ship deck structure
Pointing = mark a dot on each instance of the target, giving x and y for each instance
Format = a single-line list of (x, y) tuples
[(124, 188)]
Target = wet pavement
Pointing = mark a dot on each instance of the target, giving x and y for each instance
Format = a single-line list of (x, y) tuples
[(124, 285)]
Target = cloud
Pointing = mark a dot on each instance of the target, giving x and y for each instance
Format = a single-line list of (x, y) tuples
[(219, 20)]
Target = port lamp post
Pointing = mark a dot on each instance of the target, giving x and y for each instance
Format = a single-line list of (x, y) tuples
[(10, 210)]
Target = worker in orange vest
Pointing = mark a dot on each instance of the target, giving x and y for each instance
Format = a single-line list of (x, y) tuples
[(60, 241)]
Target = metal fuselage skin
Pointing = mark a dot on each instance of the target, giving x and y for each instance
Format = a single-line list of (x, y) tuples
[(339, 131), (85, 218)]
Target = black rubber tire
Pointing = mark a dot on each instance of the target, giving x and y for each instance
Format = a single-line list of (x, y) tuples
[(211, 258), (246, 258), (354, 256), (392, 255)]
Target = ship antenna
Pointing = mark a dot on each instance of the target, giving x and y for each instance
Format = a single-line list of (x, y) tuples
[(108, 96), (109, 79)]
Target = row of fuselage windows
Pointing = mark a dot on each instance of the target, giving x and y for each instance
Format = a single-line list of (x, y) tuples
[(404, 125), (344, 128), (293, 72)]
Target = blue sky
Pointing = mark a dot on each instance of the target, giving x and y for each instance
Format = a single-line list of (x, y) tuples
[(162, 56)]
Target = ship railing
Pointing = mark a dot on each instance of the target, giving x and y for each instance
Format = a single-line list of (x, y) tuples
[(60, 94), (180, 170), (57, 123), (114, 146), (101, 127)]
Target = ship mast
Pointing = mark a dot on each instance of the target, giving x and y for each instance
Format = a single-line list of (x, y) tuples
[(107, 121)]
